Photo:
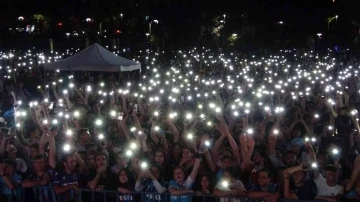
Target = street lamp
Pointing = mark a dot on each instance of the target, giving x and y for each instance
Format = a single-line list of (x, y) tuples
[(88, 20), (156, 21), (234, 35), (281, 22), (21, 18), (147, 35), (319, 35), (336, 17)]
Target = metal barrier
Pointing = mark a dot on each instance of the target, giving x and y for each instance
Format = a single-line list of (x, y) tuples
[(47, 194)]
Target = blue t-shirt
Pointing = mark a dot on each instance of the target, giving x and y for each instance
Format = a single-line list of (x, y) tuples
[(64, 180), (188, 184), (4, 189), (353, 194), (44, 194)]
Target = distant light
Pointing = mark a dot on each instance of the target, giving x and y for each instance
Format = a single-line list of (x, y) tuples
[(21, 18), (281, 22), (59, 24), (118, 31), (234, 34), (88, 19)]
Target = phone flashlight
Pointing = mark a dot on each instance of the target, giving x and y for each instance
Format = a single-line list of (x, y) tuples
[(190, 136), (225, 184), (133, 145), (66, 147), (69, 133), (144, 165)]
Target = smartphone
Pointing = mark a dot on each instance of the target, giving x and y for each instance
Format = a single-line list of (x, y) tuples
[(306, 166), (120, 116), (51, 106)]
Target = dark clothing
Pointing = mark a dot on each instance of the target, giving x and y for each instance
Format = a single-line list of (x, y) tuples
[(305, 192)]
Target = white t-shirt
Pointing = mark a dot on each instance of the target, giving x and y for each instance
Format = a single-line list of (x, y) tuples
[(237, 184), (324, 190)]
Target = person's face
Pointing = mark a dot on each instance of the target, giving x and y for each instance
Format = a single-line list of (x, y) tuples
[(227, 163), (35, 140), (140, 119), (100, 161), (177, 150), (90, 161), (71, 163), (159, 158), (331, 178), (39, 165), (155, 172), (85, 137), (295, 133), (9, 170), (263, 179), (258, 159), (123, 177), (205, 183), (295, 148), (186, 154), (112, 129), (290, 160), (179, 175), (121, 160), (321, 160), (33, 152), (299, 177), (78, 101)]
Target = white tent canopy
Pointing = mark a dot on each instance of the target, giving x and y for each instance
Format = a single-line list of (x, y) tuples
[(94, 58)]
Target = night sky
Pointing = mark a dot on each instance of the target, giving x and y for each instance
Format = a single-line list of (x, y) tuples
[(301, 16)]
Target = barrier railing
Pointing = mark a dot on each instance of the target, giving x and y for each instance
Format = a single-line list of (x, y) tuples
[(47, 194)]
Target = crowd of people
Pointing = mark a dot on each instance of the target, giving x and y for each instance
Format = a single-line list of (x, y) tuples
[(236, 129)]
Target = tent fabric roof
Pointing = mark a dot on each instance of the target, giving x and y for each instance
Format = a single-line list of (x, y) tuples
[(94, 58)]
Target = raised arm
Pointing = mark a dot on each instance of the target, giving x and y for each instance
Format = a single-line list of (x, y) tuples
[(173, 129), (94, 182), (232, 142), (195, 169), (52, 159), (216, 147)]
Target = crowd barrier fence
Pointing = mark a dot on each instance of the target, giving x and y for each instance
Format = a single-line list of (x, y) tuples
[(47, 194)]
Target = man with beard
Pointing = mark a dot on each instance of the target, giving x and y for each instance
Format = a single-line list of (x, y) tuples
[(102, 179), (67, 181), (43, 172), (41, 177)]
